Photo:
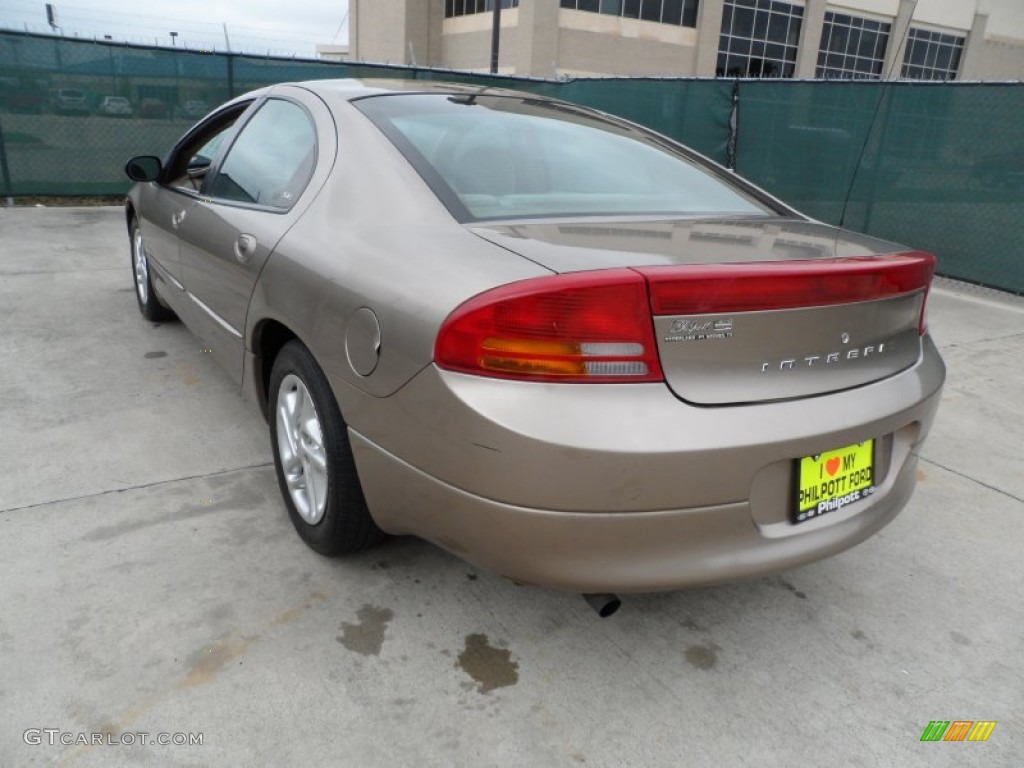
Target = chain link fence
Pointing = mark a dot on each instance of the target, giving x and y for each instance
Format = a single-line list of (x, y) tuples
[(938, 166)]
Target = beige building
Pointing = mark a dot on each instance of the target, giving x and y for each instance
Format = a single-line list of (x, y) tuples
[(332, 52), (926, 39)]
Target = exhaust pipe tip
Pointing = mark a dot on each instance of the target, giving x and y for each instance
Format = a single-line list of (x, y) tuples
[(604, 605)]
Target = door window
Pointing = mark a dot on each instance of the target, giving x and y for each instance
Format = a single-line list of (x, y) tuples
[(271, 160), (190, 161)]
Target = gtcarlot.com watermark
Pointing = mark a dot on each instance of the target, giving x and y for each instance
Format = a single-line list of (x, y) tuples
[(55, 736)]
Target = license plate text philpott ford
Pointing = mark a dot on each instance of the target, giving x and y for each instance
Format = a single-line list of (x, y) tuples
[(834, 479)]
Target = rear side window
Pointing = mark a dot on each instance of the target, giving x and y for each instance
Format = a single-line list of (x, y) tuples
[(271, 160), (490, 157)]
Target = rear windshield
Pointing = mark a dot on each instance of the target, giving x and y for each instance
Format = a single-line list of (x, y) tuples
[(491, 157)]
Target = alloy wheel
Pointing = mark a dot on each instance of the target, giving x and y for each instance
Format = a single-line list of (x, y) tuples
[(301, 449), (141, 267)]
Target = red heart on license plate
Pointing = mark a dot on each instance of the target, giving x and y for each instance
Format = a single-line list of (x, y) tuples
[(832, 466)]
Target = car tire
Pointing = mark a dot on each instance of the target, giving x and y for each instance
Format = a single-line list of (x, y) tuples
[(149, 303), (313, 458)]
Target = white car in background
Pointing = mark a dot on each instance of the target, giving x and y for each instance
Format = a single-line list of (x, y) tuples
[(70, 101), (115, 106), (194, 109)]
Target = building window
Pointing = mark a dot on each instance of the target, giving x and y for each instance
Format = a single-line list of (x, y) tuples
[(852, 47), (682, 13), (466, 7), (932, 55), (759, 38)]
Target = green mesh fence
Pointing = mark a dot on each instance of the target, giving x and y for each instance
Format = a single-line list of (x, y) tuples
[(942, 167), (72, 112), (695, 112), (935, 166)]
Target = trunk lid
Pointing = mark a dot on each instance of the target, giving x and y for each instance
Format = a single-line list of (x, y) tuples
[(752, 309)]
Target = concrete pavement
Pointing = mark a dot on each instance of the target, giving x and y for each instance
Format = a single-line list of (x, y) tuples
[(150, 582)]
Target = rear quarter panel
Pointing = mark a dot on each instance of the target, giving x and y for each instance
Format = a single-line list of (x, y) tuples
[(375, 237)]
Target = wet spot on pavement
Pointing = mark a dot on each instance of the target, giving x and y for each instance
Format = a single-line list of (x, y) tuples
[(155, 354), (786, 585), (960, 639), (702, 656), (106, 532), (366, 637), (206, 663), (858, 634), (243, 499), (490, 667)]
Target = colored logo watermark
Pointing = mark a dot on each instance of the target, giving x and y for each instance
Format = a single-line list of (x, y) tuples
[(958, 730)]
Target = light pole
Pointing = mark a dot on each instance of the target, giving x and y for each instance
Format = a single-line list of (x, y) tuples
[(495, 36)]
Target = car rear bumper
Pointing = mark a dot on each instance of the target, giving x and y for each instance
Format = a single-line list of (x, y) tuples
[(617, 552), (623, 487)]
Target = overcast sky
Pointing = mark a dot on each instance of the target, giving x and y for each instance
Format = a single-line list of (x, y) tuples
[(281, 26)]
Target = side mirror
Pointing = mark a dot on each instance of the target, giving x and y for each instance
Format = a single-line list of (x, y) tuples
[(143, 168)]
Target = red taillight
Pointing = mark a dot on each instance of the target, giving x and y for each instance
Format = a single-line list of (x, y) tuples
[(717, 288), (581, 327), (598, 327)]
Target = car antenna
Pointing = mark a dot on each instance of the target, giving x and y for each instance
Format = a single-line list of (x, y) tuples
[(469, 99), (886, 85)]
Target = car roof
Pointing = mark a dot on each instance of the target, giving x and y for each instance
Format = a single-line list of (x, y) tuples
[(357, 88)]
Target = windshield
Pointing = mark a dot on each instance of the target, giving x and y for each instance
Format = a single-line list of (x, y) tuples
[(490, 157)]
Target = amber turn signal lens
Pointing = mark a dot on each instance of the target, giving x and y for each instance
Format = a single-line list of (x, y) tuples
[(581, 327)]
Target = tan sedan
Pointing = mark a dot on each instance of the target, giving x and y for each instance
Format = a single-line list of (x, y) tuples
[(547, 340)]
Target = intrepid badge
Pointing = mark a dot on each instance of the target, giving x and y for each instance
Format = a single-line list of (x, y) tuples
[(829, 359)]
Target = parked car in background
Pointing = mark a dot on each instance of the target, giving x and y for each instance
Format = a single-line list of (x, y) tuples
[(69, 101), (548, 340), (150, 107), (193, 109), (115, 106)]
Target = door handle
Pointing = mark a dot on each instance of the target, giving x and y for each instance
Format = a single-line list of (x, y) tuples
[(177, 218), (245, 247)]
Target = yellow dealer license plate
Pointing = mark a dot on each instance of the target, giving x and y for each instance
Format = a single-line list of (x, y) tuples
[(835, 479)]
